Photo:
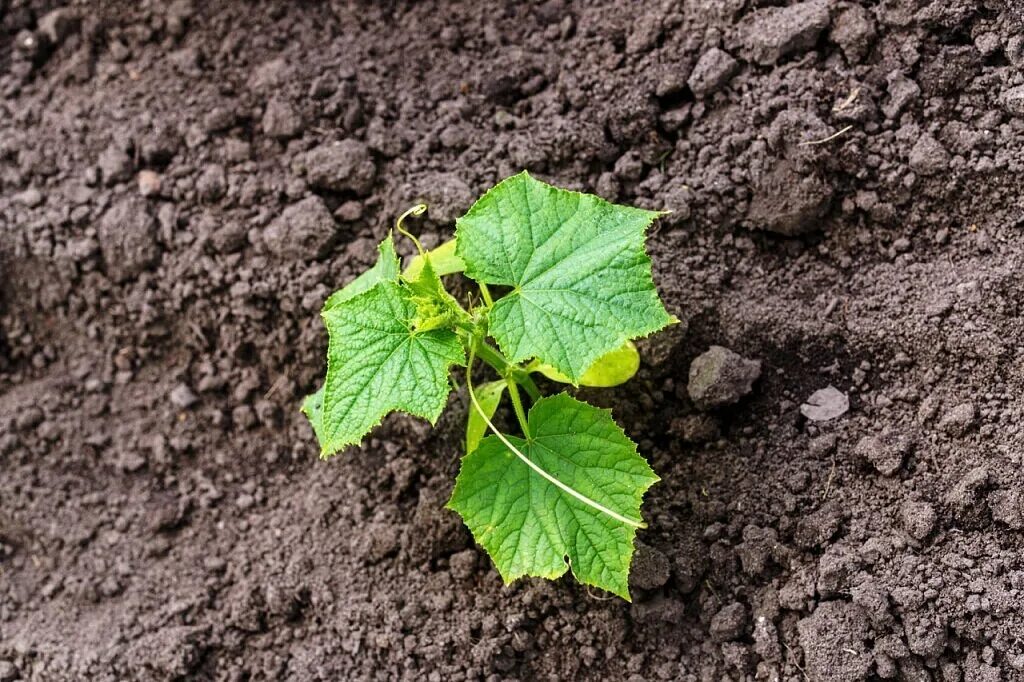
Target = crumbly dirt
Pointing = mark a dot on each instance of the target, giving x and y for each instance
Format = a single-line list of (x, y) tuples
[(182, 184)]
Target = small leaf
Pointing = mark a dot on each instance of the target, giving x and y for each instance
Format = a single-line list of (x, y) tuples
[(611, 369), (581, 281), (377, 363), (489, 395), (531, 526), (443, 258), (384, 270), (435, 307)]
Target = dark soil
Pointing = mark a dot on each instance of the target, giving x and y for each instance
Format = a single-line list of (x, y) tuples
[(182, 184)]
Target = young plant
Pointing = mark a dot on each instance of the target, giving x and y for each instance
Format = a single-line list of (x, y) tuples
[(575, 282)]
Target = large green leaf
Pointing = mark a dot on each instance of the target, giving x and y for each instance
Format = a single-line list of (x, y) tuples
[(581, 281), (575, 505), (377, 363), (384, 270)]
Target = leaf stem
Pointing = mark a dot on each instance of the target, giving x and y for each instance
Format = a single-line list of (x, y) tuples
[(526, 460), (517, 404), (508, 371), (486, 293)]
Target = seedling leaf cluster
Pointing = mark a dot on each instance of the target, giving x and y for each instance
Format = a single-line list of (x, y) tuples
[(564, 285)]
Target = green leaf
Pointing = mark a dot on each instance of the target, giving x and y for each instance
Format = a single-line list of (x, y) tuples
[(384, 270), (377, 363), (532, 526), (489, 395), (443, 258), (581, 281), (611, 369)]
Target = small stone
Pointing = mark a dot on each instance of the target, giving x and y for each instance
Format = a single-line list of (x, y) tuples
[(305, 230), (854, 31), (918, 519), (902, 91), (713, 70), (721, 377), (29, 418), (128, 239), (245, 501), (967, 501), (149, 183), (1012, 100), (789, 202), (349, 212), (886, 452), (1007, 507), (772, 33), (280, 120), (928, 156), (115, 165), (182, 396), (344, 166), (212, 183), (729, 623), (958, 420), (825, 404), (229, 237)]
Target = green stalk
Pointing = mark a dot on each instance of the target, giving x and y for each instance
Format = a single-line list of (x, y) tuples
[(517, 404), (510, 372)]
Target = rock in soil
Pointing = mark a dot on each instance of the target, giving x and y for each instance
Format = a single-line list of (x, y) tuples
[(720, 377)]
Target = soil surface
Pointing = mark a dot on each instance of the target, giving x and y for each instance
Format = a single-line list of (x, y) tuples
[(183, 183)]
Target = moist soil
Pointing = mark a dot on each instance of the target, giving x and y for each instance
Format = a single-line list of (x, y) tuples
[(182, 184)]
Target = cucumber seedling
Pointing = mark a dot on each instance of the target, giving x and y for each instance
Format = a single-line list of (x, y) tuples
[(565, 493)]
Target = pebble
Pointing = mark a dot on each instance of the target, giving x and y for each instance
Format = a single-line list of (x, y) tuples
[(183, 396), (721, 377), (280, 120), (344, 166), (958, 420), (304, 230), (713, 70), (918, 519), (128, 239), (115, 165), (149, 183), (886, 452), (729, 623), (772, 33), (825, 404)]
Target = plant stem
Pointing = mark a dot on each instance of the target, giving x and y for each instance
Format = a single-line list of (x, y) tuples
[(517, 404), (510, 372), (486, 293)]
